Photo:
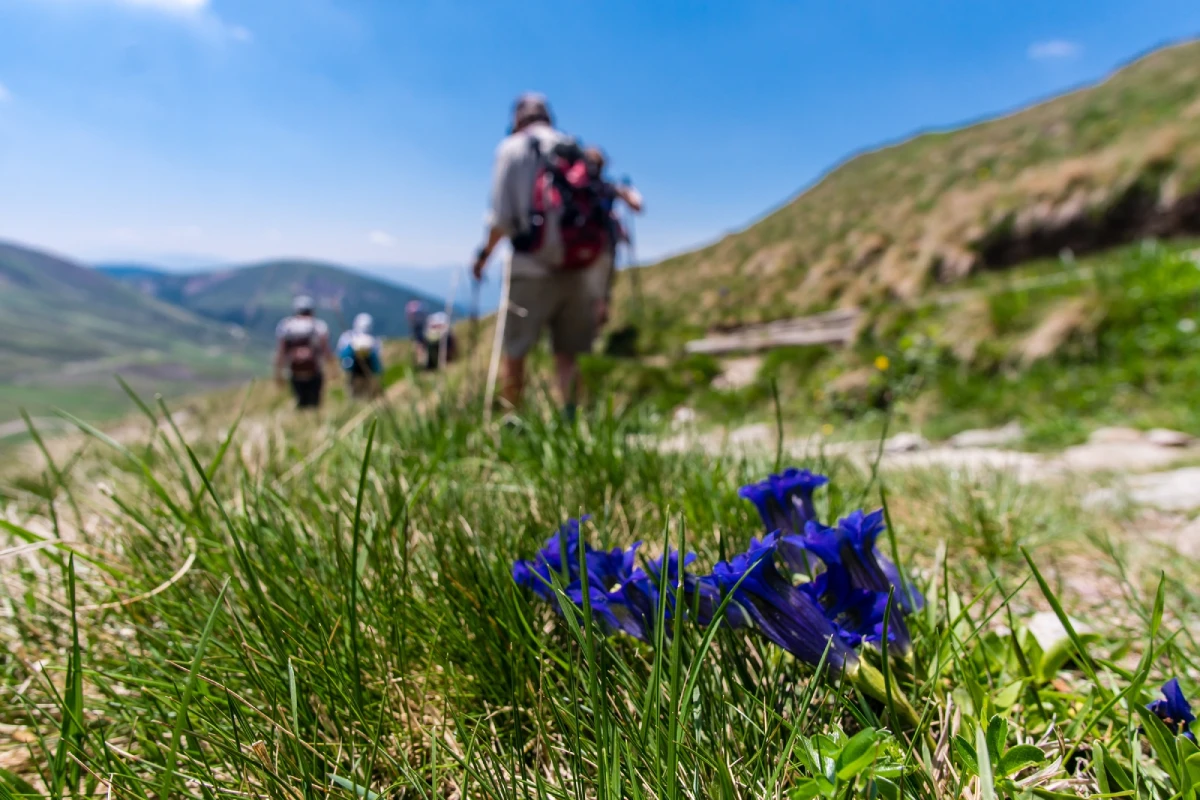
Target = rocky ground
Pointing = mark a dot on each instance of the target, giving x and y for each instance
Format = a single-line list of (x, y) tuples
[(1153, 475)]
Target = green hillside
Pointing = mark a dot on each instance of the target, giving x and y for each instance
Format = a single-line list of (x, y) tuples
[(255, 297), (1098, 167), (68, 329)]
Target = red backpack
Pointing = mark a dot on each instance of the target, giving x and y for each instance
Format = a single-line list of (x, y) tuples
[(300, 349), (568, 220)]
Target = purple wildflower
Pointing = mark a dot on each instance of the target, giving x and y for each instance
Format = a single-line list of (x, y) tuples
[(785, 502)]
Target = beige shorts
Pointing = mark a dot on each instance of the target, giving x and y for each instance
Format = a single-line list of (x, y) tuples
[(561, 301)]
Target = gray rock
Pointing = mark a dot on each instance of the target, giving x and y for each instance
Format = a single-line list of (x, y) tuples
[(905, 443), (1115, 436), (988, 437), (1168, 438), (1048, 631), (1116, 457), (1177, 490)]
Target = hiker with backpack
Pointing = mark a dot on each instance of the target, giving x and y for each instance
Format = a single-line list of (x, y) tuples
[(441, 346), (414, 310), (360, 356), (606, 272), (550, 206), (302, 348)]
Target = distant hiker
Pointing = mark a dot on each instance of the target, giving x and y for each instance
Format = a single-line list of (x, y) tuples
[(359, 353), (302, 348), (439, 337), (549, 204), (414, 310), (606, 272)]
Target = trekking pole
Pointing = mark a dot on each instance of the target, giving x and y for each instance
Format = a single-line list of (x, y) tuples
[(476, 284), (444, 343), (497, 343), (631, 265)]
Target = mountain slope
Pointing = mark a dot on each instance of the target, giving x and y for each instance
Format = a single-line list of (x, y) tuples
[(67, 329), (1097, 167), (256, 297)]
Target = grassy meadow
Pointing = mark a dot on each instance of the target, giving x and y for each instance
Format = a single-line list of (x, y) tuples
[(201, 611), (1060, 346)]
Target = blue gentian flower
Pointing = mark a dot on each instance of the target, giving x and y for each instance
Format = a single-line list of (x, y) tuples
[(560, 555), (858, 613), (1174, 709), (767, 601), (609, 573), (785, 502), (700, 595), (852, 545)]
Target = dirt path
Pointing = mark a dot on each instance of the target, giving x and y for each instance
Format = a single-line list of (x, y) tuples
[(1124, 465)]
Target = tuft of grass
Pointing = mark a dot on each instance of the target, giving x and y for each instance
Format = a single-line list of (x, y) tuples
[(355, 631)]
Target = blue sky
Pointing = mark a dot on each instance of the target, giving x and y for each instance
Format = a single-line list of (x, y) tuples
[(362, 131)]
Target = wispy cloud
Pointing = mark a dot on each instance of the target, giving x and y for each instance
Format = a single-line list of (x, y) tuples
[(1054, 50), (5, 94), (198, 13), (168, 5), (381, 239)]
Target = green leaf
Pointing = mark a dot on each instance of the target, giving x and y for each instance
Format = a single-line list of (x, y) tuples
[(886, 789), (1192, 763), (361, 791), (1163, 742), (1009, 695), (987, 781), (1085, 659), (1060, 653), (1020, 757), (858, 754), (997, 735), (806, 790), (17, 785), (966, 754), (1098, 766), (1116, 771)]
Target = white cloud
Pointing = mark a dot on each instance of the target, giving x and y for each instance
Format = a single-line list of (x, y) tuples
[(5, 94), (168, 5), (197, 13), (1054, 50), (381, 239)]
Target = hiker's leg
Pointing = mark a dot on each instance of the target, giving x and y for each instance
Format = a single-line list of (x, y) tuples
[(566, 373), (572, 330), (529, 305), (514, 381)]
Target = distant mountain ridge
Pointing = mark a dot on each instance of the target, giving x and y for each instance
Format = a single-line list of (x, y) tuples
[(1091, 169), (257, 296), (67, 329)]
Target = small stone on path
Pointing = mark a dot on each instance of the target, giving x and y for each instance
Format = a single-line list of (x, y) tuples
[(1164, 437), (988, 437), (737, 373), (1115, 436), (1176, 490), (905, 443)]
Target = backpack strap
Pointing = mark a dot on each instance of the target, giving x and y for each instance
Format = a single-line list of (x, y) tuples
[(526, 240)]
